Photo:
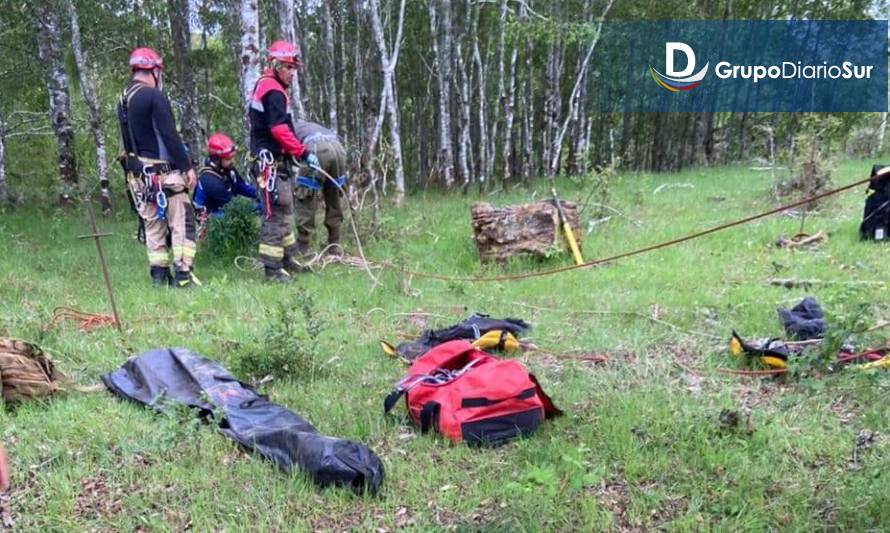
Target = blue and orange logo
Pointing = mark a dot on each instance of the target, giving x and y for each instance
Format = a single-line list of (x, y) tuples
[(676, 81)]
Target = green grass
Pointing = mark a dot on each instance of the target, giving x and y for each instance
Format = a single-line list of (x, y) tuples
[(640, 447)]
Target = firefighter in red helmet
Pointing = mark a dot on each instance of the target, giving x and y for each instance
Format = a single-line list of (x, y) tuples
[(159, 173), (273, 148)]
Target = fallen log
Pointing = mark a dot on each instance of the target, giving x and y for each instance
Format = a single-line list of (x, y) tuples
[(526, 229)]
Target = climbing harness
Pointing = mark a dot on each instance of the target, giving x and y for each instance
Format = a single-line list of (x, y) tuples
[(269, 176)]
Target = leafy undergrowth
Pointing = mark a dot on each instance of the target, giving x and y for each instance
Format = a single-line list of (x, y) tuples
[(653, 437)]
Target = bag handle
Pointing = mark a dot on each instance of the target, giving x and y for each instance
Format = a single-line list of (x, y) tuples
[(390, 401)]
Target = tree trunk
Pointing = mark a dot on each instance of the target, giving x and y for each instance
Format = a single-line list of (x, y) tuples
[(552, 77), (89, 94), (501, 97), (49, 48), (286, 32), (330, 83), (481, 75), (574, 97), (882, 131), (464, 144), (528, 229), (388, 62), (249, 57), (441, 55), (507, 153), (4, 187), (187, 92)]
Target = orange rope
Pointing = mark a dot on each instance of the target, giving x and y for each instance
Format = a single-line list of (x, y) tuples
[(88, 321)]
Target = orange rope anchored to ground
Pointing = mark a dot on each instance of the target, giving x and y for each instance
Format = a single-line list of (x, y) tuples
[(596, 262), (88, 321)]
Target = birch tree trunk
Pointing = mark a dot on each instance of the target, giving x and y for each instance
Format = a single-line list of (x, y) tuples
[(388, 62), (882, 132), (441, 55), (528, 109), (464, 144), (49, 48), (481, 75), (187, 92), (286, 32), (87, 87), (502, 98), (249, 57), (507, 147), (574, 97), (4, 187), (330, 83), (552, 75)]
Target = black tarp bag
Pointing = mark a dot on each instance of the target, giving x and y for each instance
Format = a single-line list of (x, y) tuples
[(160, 377), (804, 321), (469, 329)]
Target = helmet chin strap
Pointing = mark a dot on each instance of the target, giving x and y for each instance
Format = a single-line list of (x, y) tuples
[(159, 81)]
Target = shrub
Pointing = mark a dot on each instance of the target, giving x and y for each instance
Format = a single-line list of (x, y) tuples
[(288, 346), (236, 232)]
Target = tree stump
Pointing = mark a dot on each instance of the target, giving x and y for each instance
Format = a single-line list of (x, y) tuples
[(527, 229)]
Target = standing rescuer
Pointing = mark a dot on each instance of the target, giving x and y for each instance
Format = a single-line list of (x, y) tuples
[(332, 158), (159, 173), (273, 146)]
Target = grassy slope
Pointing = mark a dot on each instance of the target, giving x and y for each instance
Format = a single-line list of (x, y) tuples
[(639, 447)]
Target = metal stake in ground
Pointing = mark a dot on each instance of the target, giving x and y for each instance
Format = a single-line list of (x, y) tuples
[(96, 236)]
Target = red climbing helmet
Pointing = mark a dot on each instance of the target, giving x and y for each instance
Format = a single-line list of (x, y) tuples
[(219, 145), (285, 52), (145, 59)]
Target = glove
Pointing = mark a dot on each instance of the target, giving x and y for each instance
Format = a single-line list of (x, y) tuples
[(311, 160)]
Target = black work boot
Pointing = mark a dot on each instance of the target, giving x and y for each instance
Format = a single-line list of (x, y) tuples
[(302, 249), (160, 276), (277, 275), (183, 280)]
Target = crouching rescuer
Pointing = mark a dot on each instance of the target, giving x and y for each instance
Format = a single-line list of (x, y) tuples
[(218, 180), (310, 185), (273, 148), (159, 173)]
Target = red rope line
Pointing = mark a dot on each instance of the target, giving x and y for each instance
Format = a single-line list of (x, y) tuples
[(596, 262)]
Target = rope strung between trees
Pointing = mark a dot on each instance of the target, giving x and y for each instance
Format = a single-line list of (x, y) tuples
[(596, 262)]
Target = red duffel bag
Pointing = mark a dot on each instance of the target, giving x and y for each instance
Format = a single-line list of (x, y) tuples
[(470, 396)]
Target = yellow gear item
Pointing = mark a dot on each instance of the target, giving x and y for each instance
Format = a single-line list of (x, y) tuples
[(497, 339), (884, 362), (766, 356), (388, 349)]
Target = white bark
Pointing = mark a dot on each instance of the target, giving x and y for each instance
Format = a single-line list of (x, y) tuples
[(249, 57), (442, 58), (87, 87), (388, 61), (464, 144), (882, 131), (552, 75), (49, 45), (484, 153), (286, 31), (492, 143), (4, 187), (508, 116), (330, 83), (573, 99)]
